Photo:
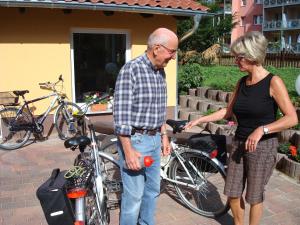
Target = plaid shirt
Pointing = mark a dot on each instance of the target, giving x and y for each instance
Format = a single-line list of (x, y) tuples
[(140, 96)]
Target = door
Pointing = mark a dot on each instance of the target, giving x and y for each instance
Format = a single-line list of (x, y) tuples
[(97, 58)]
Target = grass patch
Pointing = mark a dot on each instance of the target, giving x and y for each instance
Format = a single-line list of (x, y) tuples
[(226, 77)]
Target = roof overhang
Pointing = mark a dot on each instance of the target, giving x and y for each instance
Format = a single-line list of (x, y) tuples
[(102, 7)]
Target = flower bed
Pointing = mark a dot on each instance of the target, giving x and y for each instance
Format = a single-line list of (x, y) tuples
[(288, 161)]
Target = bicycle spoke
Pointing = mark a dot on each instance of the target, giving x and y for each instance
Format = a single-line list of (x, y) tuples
[(206, 198)]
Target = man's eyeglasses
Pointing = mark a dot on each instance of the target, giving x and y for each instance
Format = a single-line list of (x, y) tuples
[(170, 51)]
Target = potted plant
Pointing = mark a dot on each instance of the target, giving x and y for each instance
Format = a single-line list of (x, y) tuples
[(100, 106)]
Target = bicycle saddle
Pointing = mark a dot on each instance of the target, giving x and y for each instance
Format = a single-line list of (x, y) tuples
[(80, 141), (177, 125), (20, 93)]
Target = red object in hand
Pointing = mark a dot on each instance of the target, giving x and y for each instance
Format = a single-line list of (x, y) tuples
[(148, 160)]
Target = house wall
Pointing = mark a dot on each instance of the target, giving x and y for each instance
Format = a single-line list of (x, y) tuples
[(35, 45), (248, 11)]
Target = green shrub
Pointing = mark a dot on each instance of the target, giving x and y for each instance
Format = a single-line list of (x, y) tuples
[(189, 76), (284, 148)]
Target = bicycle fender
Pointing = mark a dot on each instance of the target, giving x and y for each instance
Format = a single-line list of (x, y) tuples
[(99, 187), (54, 116), (215, 160)]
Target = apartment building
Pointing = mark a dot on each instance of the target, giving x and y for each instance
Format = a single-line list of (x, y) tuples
[(249, 15), (282, 25)]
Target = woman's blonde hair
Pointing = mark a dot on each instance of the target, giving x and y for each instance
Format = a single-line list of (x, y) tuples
[(252, 46)]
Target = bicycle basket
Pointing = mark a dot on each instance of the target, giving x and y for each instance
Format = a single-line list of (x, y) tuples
[(79, 176), (8, 98)]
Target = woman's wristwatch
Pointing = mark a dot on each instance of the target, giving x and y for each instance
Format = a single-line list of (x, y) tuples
[(265, 130)]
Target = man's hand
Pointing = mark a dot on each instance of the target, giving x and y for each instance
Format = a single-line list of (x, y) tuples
[(132, 159), (166, 147)]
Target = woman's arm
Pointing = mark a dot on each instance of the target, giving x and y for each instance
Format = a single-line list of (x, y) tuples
[(223, 113), (279, 92)]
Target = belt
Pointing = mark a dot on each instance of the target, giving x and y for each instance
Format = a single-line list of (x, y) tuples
[(150, 132)]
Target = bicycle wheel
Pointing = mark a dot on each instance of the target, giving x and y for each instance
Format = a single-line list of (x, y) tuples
[(113, 180), (65, 123), (96, 211), (9, 139), (207, 197)]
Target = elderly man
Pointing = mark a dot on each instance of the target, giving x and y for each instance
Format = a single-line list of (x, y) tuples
[(139, 114)]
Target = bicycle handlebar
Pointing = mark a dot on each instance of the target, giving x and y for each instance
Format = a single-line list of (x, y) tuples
[(49, 85)]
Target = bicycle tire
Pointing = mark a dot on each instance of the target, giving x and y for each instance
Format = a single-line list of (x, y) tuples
[(113, 180), (67, 127), (209, 199), (95, 214), (10, 140)]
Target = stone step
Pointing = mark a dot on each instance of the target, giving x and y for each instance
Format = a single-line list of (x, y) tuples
[(200, 104), (210, 93)]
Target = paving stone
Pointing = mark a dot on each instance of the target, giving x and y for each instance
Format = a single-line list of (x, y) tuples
[(25, 169)]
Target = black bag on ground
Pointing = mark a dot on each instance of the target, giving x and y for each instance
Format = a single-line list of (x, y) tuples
[(208, 143), (56, 205)]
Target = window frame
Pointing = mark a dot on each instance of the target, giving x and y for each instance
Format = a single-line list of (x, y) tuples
[(95, 31)]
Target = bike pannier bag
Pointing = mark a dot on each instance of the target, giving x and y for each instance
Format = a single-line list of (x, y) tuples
[(208, 143), (56, 205)]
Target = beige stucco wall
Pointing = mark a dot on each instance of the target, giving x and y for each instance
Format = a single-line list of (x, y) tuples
[(35, 46)]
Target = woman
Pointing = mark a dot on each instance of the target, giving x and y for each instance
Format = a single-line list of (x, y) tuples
[(255, 102)]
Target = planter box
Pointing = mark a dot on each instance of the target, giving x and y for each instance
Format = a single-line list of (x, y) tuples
[(202, 91), (288, 135), (98, 107), (222, 96), (288, 166)]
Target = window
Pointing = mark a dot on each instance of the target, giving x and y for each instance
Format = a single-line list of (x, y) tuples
[(97, 59), (257, 20), (258, 2), (242, 21), (243, 2)]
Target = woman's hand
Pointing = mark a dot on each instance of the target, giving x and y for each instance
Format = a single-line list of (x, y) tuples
[(253, 139), (166, 147), (190, 124)]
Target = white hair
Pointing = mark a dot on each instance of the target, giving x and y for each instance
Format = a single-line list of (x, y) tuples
[(157, 38)]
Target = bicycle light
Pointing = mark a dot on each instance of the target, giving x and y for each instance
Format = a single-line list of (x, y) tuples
[(213, 154), (79, 223), (76, 193)]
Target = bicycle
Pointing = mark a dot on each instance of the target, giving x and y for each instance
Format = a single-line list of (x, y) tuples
[(17, 123), (92, 181), (197, 175)]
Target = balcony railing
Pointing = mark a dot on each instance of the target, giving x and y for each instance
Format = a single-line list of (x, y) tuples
[(274, 47), (279, 24), (273, 3)]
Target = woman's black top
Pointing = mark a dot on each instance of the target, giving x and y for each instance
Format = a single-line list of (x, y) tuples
[(254, 107)]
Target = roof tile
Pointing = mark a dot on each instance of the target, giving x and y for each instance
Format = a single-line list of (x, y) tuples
[(173, 4)]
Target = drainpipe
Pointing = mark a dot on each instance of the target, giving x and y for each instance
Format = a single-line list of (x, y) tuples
[(197, 19)]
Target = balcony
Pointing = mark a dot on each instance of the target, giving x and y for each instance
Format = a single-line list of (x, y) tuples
[(274, 47), (277, 3), (280, 25)]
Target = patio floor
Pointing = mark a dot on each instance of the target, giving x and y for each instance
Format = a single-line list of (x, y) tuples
[(23, 170)]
